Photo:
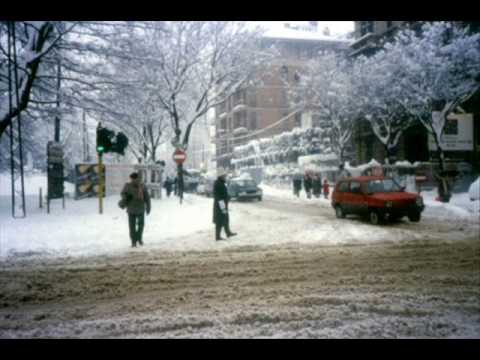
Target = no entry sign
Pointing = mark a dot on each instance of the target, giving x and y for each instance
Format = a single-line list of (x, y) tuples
[(179, 156)]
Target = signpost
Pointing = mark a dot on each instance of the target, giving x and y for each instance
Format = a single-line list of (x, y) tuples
[(179, 156), (55, 189)]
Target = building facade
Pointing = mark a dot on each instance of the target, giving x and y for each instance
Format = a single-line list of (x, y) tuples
[(264, 110), (370, 36)]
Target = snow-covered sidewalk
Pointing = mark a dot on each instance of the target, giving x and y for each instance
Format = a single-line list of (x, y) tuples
[(281, 218)]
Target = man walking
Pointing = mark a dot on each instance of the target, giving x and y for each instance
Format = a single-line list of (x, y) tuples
[(220, 206), (297, 183), (137, 200)]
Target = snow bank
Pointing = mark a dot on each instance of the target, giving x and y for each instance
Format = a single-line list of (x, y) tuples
[(32, 184), (474, 190)]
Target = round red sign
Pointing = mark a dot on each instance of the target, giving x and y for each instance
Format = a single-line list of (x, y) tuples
[(179, 156)]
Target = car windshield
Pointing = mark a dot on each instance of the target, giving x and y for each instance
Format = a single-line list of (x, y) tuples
[(244, 183), (386, 185)]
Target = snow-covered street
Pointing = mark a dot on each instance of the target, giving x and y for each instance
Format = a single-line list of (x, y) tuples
[(294, 270)]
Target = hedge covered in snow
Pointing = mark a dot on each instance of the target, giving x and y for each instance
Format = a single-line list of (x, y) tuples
[(284, 148)]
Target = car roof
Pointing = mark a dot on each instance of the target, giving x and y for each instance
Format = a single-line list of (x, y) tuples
[(365, 178)]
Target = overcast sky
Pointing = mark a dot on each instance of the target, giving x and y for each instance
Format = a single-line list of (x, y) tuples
[(338, 27)]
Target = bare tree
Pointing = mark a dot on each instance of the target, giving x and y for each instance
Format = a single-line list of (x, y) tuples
[(326, 88), (33, 41), (194, 66)]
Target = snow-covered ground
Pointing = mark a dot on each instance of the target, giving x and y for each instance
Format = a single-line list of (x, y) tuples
[(79, 230), (294, 270)]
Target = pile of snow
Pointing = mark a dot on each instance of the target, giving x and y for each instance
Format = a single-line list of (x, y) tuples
[(358, 170), (32, 182), (474, 190)]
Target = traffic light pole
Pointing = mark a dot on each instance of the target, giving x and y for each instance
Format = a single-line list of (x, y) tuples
[(100, 183)]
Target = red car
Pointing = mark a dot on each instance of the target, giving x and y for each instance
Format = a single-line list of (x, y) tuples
[(377, 197)]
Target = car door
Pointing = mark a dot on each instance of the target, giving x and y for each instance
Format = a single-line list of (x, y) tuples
[(347, 198), (356, 197), (339, 194)]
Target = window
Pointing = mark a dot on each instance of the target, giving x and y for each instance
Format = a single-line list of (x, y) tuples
[(355, 187), (451, 127), (343, 187), (366, 27), (387, 185), (298, 119)]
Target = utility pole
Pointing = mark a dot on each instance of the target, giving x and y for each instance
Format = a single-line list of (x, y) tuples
[(85, 138), (100, 151), (57, 116)]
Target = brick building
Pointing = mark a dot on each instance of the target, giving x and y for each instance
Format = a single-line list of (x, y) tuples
[(263, 106)]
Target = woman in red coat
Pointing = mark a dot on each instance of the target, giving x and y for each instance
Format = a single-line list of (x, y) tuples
[(326, 189)]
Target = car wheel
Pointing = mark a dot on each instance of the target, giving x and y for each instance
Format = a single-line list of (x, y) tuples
[(339, 212), (375, 218), (414, 216)]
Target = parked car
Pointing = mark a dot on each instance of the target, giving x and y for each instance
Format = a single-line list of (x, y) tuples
[(377, 197), (205, 186), (240, 188)]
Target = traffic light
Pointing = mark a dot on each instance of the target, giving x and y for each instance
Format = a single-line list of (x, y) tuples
[(120, 144), (104, 140), (107, 141)]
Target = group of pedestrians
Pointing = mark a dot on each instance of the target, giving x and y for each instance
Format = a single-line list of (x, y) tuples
[(135, 199), (312, 184)]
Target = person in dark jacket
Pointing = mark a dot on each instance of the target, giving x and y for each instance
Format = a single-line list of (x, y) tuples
[(137, 200), (297, 184), (317, 185), (220, 206), (168, 186), (308, 184)]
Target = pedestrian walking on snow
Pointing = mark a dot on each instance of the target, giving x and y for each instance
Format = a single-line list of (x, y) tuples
[(317, 185), (308, 184), (136, 199), (221, 217), (326, 189), (297, 184)]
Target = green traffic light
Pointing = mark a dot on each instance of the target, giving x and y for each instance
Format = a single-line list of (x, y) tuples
[(100, 149)]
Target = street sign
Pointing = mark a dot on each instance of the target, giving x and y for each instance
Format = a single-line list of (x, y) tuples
[(179, 156)]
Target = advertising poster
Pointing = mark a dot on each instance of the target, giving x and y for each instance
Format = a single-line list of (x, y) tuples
[(87, 179)]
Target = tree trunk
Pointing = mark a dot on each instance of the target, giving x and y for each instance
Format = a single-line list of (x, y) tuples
[(6, 121), (444, 192), (57, 116)]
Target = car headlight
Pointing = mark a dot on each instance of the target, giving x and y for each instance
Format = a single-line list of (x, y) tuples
[(419, 201)]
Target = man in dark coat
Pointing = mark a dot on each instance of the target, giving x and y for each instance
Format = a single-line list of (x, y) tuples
[(317, 185), (168, 186), (308, 184), (297, 183), (137, 199), (220, 206)]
